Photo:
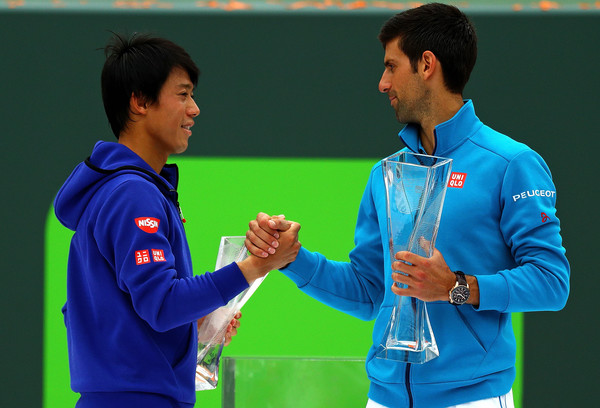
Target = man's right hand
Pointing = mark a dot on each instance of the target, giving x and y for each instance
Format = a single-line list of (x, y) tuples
[(263, 236), (256, 266)]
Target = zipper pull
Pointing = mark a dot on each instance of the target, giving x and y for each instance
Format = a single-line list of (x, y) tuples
[(180, 213)]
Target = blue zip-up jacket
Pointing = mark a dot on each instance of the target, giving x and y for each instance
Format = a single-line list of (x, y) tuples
[(499, 224), (132, 299)]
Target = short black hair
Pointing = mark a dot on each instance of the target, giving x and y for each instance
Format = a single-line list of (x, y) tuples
[(140, 65), (442, 29)]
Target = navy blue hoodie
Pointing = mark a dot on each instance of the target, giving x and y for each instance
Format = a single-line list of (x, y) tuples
[(132, 299)]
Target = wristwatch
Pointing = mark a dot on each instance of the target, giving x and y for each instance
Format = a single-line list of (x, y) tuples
[(460, 293)]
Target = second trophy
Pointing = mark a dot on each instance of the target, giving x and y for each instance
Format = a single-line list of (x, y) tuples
[(415, 191)]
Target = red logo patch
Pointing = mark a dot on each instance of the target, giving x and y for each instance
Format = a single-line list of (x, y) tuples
[(142, 257), (158, 255), (147, 224), (457, 180), (545, 217)]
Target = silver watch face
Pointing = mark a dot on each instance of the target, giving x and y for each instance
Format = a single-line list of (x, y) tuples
[(460, 294)]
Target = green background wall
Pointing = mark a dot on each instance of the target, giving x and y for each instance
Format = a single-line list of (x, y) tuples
[(288, 84)]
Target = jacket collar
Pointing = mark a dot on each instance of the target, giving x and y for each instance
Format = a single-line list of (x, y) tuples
[(449, 134), (110, 158)]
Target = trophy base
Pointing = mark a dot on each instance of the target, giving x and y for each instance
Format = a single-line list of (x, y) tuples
[(206, 379), (207, 369), (408, 336), (408, 352)]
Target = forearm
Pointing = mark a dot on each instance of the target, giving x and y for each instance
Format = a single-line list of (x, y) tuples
[(527, 288), (171, 302), (337, 284)]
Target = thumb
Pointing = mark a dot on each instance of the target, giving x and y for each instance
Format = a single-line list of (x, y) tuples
[(294, 227), (426, 245), (279, 223)]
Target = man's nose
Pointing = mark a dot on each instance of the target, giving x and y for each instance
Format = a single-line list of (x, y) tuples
[(193, 110), (384, 83)]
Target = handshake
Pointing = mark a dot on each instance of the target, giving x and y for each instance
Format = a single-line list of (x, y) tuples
[(272, 243)]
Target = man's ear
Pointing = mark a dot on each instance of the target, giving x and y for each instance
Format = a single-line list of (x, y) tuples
[(428, 64), (138, 104)]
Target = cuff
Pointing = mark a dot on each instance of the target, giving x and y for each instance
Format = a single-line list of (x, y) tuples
[(302, 269), (493, 292)]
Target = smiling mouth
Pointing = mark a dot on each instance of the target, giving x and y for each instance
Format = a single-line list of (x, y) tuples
[(188, 128)]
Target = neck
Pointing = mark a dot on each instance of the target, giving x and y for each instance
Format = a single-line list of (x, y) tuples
[(155, 159), (443, 110)]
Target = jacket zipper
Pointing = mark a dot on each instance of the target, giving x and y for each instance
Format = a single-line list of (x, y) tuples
[(408, 390), (176, 200)]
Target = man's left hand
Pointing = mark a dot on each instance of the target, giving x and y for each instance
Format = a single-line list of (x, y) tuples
[(428, 279), (232, 328)]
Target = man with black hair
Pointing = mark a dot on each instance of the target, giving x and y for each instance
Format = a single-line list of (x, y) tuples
[(499, 234), (133, 301)]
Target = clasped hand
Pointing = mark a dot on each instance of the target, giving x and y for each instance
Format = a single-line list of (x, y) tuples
[(265, 233), (272, 243)]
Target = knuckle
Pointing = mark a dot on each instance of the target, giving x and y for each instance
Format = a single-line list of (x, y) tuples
[(420, 275)]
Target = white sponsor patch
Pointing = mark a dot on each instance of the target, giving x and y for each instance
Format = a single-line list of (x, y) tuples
[(533, 193)]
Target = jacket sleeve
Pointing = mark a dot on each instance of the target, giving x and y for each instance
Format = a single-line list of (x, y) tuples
[(531, 230), (144, 260), (354, 287)]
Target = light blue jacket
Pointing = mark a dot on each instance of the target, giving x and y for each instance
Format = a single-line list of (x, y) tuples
[(499, 225)]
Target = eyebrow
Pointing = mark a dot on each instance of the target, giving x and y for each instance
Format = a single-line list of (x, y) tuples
[(186, 85)]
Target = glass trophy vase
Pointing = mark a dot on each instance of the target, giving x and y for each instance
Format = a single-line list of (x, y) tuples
[(415, 190), (211, 333)]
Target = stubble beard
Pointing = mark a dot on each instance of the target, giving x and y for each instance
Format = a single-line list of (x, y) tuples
[(415, 111)]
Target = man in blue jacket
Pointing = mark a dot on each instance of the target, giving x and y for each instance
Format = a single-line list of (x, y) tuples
[(498, 245), (133, 301)]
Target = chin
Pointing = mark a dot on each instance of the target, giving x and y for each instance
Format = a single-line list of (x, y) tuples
[(180, 149)]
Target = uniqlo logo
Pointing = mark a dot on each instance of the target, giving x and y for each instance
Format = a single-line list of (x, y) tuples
[(158, 255), (142, 257), (457, 180), (147, 224)]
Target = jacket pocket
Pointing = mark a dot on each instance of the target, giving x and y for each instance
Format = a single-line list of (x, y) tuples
[(470, 328)]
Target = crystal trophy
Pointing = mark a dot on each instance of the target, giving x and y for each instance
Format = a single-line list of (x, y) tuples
[(211, 333), (415, 190)]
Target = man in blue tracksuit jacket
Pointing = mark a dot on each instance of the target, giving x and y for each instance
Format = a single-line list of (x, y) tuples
[(498, 227), (132, 298)]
